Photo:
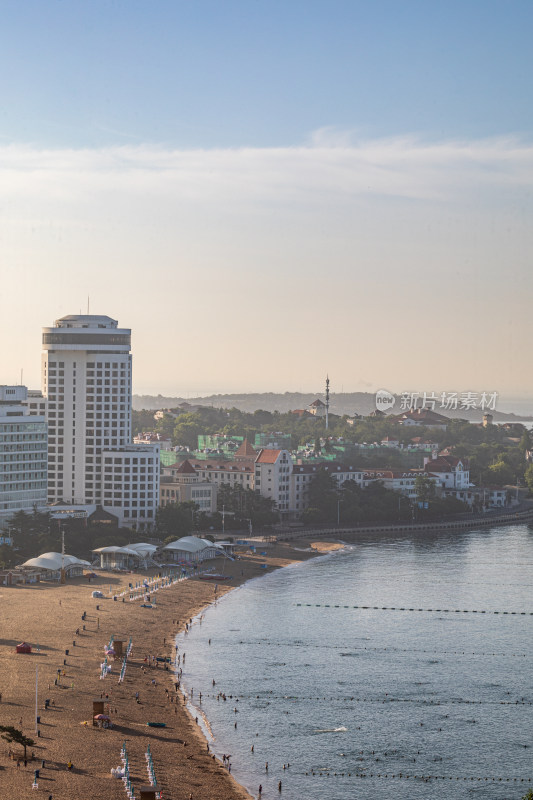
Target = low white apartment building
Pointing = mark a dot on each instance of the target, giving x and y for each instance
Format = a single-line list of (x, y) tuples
[(303, 475), (235, 473), (272, 474), (402, 481)]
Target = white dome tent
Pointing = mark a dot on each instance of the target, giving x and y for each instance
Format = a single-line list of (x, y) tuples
[(114, 557), (191, 548), (49, 564), (145, 552)]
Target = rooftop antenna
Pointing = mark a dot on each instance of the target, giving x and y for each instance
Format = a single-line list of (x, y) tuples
[(21, 375), (87, 305), (327, 402)]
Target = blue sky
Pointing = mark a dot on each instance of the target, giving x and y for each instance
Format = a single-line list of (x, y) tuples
[(225, 178), (231, 74)]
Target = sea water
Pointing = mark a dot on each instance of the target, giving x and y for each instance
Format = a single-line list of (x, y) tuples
[(355, 700)]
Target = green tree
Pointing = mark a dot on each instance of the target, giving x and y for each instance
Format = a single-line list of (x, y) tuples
[(175, 519), (165, 426), (242, 505), (525, 441), (14, 735), (7, 557), (425, 488), (528, 476), (323, 496), (142, 421), (501, 473)]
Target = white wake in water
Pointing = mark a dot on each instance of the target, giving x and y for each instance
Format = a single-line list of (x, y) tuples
[(331, 730)]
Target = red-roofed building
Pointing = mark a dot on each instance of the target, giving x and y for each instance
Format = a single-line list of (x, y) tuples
[(317, 408), (451, 472), (245, 452), (181, 484)]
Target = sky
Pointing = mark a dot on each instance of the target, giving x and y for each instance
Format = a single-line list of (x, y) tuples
[(266, 192)]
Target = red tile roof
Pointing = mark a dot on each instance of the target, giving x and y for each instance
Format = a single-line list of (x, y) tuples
[(267, 456), (245, 450), (445, 464), (186, 469)]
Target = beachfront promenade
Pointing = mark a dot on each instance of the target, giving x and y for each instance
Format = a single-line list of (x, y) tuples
[(466, 522)]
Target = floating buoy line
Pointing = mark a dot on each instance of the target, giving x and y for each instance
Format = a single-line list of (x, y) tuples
[(427, 610), (412, 776)]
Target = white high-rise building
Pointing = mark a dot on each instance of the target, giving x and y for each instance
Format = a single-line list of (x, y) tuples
[(86, 380), (23, 455)]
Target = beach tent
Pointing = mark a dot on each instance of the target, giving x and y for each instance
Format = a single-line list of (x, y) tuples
[(49, 564), (114, 557), (23, 647), (145, 552), (190, 548)]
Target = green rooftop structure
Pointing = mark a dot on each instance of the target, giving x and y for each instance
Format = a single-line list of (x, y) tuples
[(224, 442), (277, 441)]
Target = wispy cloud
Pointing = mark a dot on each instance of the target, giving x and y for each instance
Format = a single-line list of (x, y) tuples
[(331, 163)]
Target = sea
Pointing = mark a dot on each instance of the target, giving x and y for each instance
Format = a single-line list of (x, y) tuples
[(397, 667)]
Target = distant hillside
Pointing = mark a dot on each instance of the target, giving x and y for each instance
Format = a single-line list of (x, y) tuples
[(347, 403)]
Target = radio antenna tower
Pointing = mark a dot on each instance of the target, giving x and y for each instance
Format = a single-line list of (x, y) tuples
[(327, 402)]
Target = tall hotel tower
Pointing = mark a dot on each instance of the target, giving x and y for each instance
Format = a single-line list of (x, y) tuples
[(86, 379)]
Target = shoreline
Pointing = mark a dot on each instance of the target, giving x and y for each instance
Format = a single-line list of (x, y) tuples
[(203, 727), (47, 616)]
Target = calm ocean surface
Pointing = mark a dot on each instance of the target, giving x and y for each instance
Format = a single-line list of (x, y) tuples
[(293, 670)]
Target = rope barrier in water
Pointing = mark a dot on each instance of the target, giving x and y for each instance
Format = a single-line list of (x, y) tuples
[(430, 610), (268, 643), (381, 701)]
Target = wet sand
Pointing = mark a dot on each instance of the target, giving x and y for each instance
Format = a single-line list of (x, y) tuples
[(47, 615)]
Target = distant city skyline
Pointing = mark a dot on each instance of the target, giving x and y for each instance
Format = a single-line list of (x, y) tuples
[(266, 192)]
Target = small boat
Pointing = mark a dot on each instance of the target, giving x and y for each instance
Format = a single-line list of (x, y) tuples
[(157, 724), (212, 577)]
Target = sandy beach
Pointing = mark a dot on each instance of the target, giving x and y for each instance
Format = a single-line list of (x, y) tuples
[(47, 615)]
